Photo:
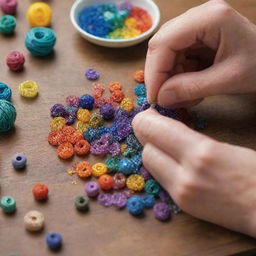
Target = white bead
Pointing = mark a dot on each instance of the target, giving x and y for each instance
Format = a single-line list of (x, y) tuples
[(34, 221)]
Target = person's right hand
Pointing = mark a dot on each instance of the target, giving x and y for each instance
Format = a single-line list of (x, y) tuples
[(178, 70)]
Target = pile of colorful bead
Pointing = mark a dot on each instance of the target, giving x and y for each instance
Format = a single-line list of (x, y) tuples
[(114, 22), (105, 132)]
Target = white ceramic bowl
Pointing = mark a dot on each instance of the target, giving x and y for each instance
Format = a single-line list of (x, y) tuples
[(148, 5)]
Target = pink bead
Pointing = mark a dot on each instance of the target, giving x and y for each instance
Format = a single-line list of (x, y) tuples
[(8, 6), (15, 61)]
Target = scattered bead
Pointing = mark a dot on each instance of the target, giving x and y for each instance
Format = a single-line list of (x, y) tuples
[(55, 137), (105, 182), (135, 205), (82, 147), (148, 200), (135, 182), (8, 204), (54, 241), (139, 76), (28, 89), (84, 170), (9, 6), (127, 104), (40, 192), (82, 203), (86, 101), (5, 92), (73, 101), (83, 115), (57, 123), (140, 90), (15, 61), (165, 197), (19, 161), (92, 189), (92, 74), (65, 150), (162, 211), (7, 115), (112, 164), (99, 169), (81, 126), (7, 24), (34, 221), (119, 200), (96, 120), (126, 166), (114, 86), (105, 199), (107, 111), (119, 181), (117, 95), (152, 187), (145, 173)]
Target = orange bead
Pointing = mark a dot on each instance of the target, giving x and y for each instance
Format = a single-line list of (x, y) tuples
[(82, 147), (71, 135), (84, 170), (55, 137), (40, 191), (114, 86), (65, 150), (139, 76), (105, 182), (117, 96)]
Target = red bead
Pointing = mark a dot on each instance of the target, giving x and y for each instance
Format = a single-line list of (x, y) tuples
[(15, 61), (40, 192), (105, 182)]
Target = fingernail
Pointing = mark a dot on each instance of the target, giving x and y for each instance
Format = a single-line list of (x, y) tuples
[(167, 98)]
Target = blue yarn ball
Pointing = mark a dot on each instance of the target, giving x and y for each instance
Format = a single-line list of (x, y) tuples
[(86, 101), (135, 205), (40, 41), (7, 115), (54, 240), (5, 92), (148, 200)]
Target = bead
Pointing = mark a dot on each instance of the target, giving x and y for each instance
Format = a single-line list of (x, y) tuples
[(131, 22), (40, 41), (148, 200), (99, 169), (15, 61), (5, 92), (71, 135), (19, 161), (65, 150), (7, 115), (139, 76), (73, 101), (84, 169), (174, 208), (114, 86), (55, 137), (34, 221), (58, 110), (123, 148), (119, 200), (92, 74), (28, 89), (39, 14), (126, 166), (9, 6), (82, 203), (40, 192), (162, 211), (119, 181), (98, 90), (152, 187), (127, 104), (8, 204), (57, 123), (140, 90), (92, 189), (145, 173), (54, 241), (82, 147), (126, 5), (107, 111), (83, 115), (128, 193), (135, 205), (117, 96), (135, 182), (81, 126), (105, 199), (7, 24), (96, 120), (86, 101), (112, 164), (141, 100), (105, 182), (165, 197), (114, 149)]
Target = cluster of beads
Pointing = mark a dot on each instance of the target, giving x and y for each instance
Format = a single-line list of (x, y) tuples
[(114, 22)]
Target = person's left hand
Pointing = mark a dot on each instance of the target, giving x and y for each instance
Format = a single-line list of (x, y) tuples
[(210, 180)]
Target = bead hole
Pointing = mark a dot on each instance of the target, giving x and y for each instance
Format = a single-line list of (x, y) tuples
[(39, 35), (33, 218), (8, 200), (18, 158), (81, 200)]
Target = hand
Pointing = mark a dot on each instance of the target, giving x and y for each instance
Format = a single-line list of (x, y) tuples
[(208, 50), (207, 179)]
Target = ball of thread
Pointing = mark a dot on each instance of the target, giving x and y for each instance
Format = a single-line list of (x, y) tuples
[(15, 61), (9, 6), (5, 92), (7, 24), (40, 41), (28, 89), (39, 14), (7, 115)]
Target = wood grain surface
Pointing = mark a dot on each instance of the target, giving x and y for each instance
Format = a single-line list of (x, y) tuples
[(101, 232)]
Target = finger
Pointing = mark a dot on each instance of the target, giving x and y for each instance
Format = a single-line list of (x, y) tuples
[(167, 134), (187, 104), (162, 166)]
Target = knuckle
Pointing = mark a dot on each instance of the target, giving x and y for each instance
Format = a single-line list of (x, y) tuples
[(146, 154), (222, 10), (154, 42)]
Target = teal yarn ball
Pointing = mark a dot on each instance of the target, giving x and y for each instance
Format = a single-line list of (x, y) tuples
[(7, 115), (40, 41), (5, 92), (7, 24)]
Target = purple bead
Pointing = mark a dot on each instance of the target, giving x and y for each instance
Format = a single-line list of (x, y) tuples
[(162, 211), (119, 200), (128, 193), (19, 161), (145, 173), (101, 146), (92, 74), (126, 5), (105, 199), (114, 149), (73, 101), (165, 197), (70, 119), (92, 189), (58, 110), (107, 111)]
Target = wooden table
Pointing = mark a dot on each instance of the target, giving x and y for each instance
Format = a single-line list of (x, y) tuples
[(101, 232)]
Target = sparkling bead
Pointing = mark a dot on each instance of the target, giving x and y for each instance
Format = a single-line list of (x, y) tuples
[(135, 182), (105, 199), (114, 86), (57, 123), (119, 200), (119, 181), (92, 74), (162, 211), (127, 104), (107, 111), (65, 150), (148, 200), (139, 76), (73, 101), (113, 164), (135, 205), (83, 115), (84, 169), (105, 182), (152, 187), (82, 147), (86, 101), (58, 110), (99, 169)]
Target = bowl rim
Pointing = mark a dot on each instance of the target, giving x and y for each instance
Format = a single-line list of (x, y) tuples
[(107, 40)]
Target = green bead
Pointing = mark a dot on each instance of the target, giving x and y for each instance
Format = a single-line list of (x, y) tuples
[(152, 187), (8, 204), (112, 163), (82, 203), (7, 24), (124, 14)]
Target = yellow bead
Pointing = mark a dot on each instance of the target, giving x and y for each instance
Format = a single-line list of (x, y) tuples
[(123, 148), (127, 104), (28, 89), (81, 126), (99, 169), (83, 115), (57, 123), (135, 182), (39, 14), (130, 22)]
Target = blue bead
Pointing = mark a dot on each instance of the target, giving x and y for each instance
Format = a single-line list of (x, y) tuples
[(92, 134), (19, 161), (126, 166), (141, 100), (86, 101), (5, 92), (135, 205), (148, 200), (54, 240), (140, 90)]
